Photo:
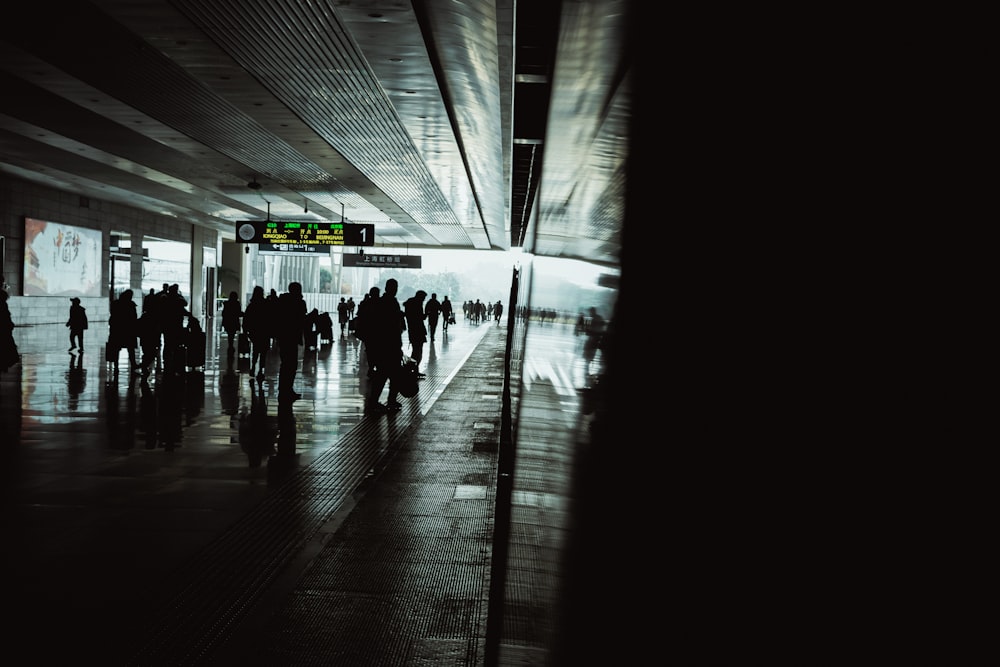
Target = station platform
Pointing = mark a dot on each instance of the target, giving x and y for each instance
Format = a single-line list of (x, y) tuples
[(152, 521)]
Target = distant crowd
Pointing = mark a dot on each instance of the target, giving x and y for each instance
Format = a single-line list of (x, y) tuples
[(161, 334)]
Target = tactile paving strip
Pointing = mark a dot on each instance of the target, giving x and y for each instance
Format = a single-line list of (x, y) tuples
[(433, 549)]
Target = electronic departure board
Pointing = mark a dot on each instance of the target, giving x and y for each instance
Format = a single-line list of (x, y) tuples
[(277, 232)]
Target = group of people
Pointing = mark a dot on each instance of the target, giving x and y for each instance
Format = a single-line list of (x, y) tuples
[(380, 323), (477, 312), (345, 313), (271, 319), (161, 330), (284, 320)]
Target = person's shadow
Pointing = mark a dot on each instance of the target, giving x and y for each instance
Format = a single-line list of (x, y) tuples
[(194, 395), (229, 383), (285, 457), (76, 380), (257, 431), (121, 427), (147, 413), (170, 410), (309, 363)]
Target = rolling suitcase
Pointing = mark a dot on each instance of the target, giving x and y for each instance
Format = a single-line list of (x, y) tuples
[(195, 350)]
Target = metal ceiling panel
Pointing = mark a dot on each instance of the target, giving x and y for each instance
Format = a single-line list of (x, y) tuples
[(446, 124)]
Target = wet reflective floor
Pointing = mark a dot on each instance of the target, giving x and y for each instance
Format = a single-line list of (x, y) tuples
[(150, 522)]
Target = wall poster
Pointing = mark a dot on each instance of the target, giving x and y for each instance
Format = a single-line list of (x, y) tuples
[(61, 259)]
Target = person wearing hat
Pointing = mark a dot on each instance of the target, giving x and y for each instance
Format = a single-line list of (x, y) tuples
[(413, 311), (77, 322)]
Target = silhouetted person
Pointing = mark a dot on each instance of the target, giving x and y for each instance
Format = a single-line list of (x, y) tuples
[(311, 330), (257, 325), (149, 301), (364, 310), (384, 343), (447, 313), (289, 331), (149, 340), (343, 316), (173, 310), (594, 331), (232, 311), (123, 329), (365, 316), (433, 311), (497, 311), (272, 312), (325, 327), (77, 322), (151, 310), (413, 311)]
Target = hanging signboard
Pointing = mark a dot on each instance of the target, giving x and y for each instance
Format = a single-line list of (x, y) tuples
[(382, 261), (278, 232), (291, 249)]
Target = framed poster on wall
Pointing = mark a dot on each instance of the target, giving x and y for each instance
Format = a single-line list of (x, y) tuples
[(61, 259)]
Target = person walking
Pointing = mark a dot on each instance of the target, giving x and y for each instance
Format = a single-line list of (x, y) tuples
[(148, 328), (272, 312), (232, 312), (123, 329), (149, 300), (151, 328), (343, 316), (413, 311), (447, 313), (257, 326), (77, 322), (360, 328), (433, 311), (310, 330), (365, 316), (384, 343), (173, 310), (289, 331), (497, 311), (594, 331)]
